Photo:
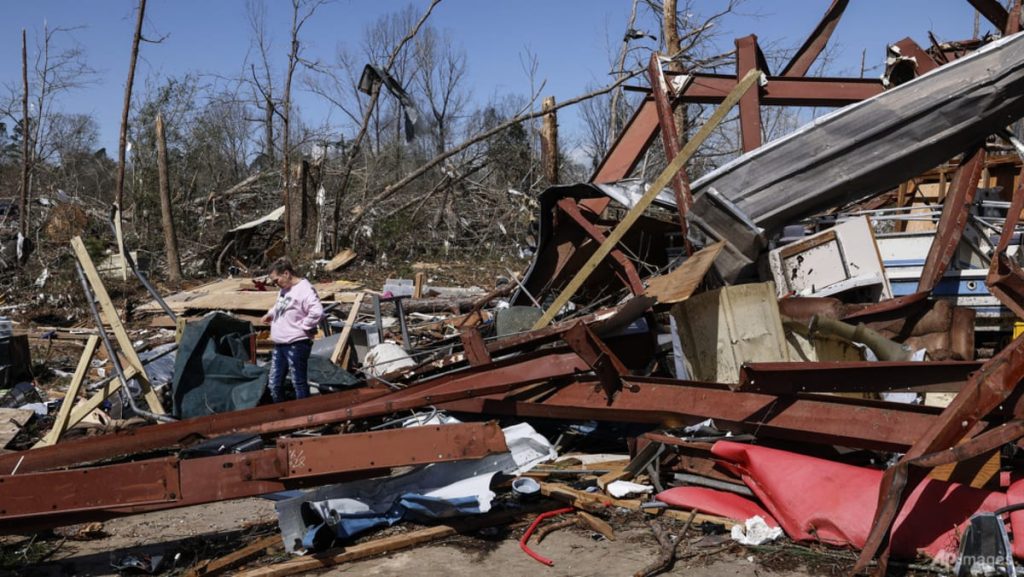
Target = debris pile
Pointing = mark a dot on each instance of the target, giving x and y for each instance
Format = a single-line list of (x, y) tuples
[(798, 345)]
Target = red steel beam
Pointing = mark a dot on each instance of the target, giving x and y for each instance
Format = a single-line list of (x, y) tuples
[(1005, 277), (627, 272), (170, 483), (993, 11), (629, 146), (801, 62), (669, 138), (911, 49), (338, 407), (986, 390), (805, 418), (779, 91), (955, 213), (854, 376), (750, 104), (178, 434)]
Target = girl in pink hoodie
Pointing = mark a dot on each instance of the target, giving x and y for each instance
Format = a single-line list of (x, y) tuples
[(293, 320)]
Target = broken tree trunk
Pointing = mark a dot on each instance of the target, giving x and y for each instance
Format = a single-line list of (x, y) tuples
[(25, 132), (123, 140), (166, 213), (549, 141)]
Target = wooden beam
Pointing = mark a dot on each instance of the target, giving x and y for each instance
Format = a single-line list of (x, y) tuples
[(61, 423), (381, 546), (637, 211), (353, 313), (124, 342), (233, 559)]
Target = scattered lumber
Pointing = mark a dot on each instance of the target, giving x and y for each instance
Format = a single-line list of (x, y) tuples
[(381, 546)]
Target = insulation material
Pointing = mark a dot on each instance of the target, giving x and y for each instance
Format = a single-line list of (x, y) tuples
[(819, 500), (715, 502)]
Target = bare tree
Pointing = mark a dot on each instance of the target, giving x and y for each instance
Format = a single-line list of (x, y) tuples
[(23, 198), (302, 11), (123, 139)]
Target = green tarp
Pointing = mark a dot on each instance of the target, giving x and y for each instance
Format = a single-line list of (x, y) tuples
[(212, 372)]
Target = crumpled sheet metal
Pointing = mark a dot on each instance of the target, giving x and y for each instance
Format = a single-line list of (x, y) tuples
[(439, 490), (867, 147), (819, 500)]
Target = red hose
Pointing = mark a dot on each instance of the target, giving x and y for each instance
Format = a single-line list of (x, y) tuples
[(532, 527)]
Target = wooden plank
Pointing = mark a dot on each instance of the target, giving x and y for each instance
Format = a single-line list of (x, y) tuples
[(82, 410), (584, 500), (231, 560), (597, 524), (645, 201), (11, 421), (120, 243), (678, 285), (341, 259), (60, 424), (345, 332), (124, 342), (380, 546)]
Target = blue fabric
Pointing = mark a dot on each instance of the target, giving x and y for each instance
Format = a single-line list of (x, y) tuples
[(319, 534), (292, 358)]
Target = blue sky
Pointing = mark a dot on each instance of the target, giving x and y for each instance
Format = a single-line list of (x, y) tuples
[(570, 38)]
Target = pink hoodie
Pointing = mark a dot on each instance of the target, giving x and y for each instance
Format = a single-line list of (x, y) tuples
[(295, 314)]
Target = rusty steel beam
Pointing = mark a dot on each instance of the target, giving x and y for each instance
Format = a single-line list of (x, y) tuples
[(801, 62), (820, 419), (854, 376), (177, 434), (484, 380), (993, 11), (986, 390), (171, 483), (660, 92), (626, 270), (474, 347), (608, 368), (1005, 277), (629, 146), (955, 213), (911, 49), (1013, 21), (779, 91), (748, 53)]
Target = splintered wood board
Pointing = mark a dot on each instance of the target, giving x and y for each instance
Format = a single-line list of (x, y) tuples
[(225, 295), (11, 421)]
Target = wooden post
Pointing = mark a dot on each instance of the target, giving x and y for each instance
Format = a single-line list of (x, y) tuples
[(166, 213), (345, 332), (549, 140), (62, 422), (637, 211), (123, 340)]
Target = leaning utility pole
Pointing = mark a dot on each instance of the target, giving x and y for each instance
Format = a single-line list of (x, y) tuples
[(25, 132), (166, 215)]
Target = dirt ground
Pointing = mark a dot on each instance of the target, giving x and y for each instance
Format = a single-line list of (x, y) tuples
[(188, 535)]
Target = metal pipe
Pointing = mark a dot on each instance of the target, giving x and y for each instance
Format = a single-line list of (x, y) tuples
[(105, 380), (138, 274), (91, 299)]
